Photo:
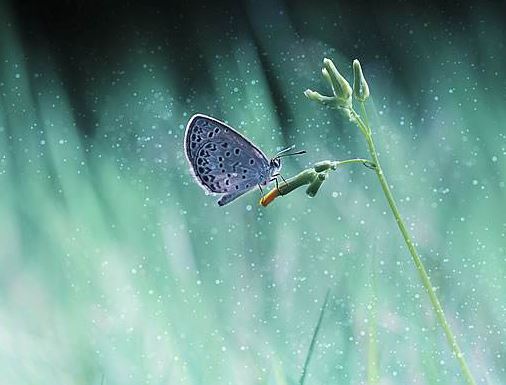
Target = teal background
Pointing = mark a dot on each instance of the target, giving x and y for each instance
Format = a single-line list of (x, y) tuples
[(116, 268)]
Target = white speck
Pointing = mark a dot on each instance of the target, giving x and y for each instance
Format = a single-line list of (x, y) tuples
[(249, 207)]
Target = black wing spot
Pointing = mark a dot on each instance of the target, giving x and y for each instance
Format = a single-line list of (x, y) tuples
[(224, 145), (237, 187), (216, 130), (210, 134), (252, 161), (237, 151), (201, 170), (220, 159), (227, 154)]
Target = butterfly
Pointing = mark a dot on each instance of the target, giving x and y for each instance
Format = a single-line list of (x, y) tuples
[(224, 161)]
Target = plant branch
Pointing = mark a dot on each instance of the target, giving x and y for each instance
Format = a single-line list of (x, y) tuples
[(314, 177), (438, 309)]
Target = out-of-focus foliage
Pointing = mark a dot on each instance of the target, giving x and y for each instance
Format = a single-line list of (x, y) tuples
[(114, 264)]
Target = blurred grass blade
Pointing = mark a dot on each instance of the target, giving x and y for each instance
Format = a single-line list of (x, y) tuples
[(313, 340)]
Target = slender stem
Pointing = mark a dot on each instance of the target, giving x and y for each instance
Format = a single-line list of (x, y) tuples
[(313, 339), (414, 254), (364, 114), (357, 160)]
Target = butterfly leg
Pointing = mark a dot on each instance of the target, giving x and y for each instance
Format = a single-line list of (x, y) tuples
[(284, 180), (281, 176), (261, 190), (275, 179)]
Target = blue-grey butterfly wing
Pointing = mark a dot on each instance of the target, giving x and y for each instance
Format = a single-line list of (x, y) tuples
[(227, 198), (223, 160)]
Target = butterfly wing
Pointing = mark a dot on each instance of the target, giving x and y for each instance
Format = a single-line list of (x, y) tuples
[(223, 161)]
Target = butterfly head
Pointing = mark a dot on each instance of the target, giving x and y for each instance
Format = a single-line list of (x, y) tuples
[(275, 163)]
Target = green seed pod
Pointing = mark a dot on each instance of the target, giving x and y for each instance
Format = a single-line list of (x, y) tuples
[(316, 184), (360, 87), (340, 86), (324, 165)]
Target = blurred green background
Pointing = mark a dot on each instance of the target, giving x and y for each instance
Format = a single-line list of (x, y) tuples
[(116, 268)]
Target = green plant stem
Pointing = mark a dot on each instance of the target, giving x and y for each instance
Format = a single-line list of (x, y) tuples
[(364, 114), (310, 175), (348, 161), (438, 309)]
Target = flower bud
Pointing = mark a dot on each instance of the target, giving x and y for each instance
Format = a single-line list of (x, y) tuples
[(317, 97), (269, 197), (326, 76), (360, 87), (340, 86)]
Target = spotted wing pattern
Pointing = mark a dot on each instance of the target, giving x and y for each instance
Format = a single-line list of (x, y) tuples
[(223, 160)]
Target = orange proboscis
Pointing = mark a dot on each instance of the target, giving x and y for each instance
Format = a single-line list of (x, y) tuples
[(269, 197)]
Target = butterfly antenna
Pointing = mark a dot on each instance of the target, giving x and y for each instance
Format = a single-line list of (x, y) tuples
[(293, 153), (285, 150)]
